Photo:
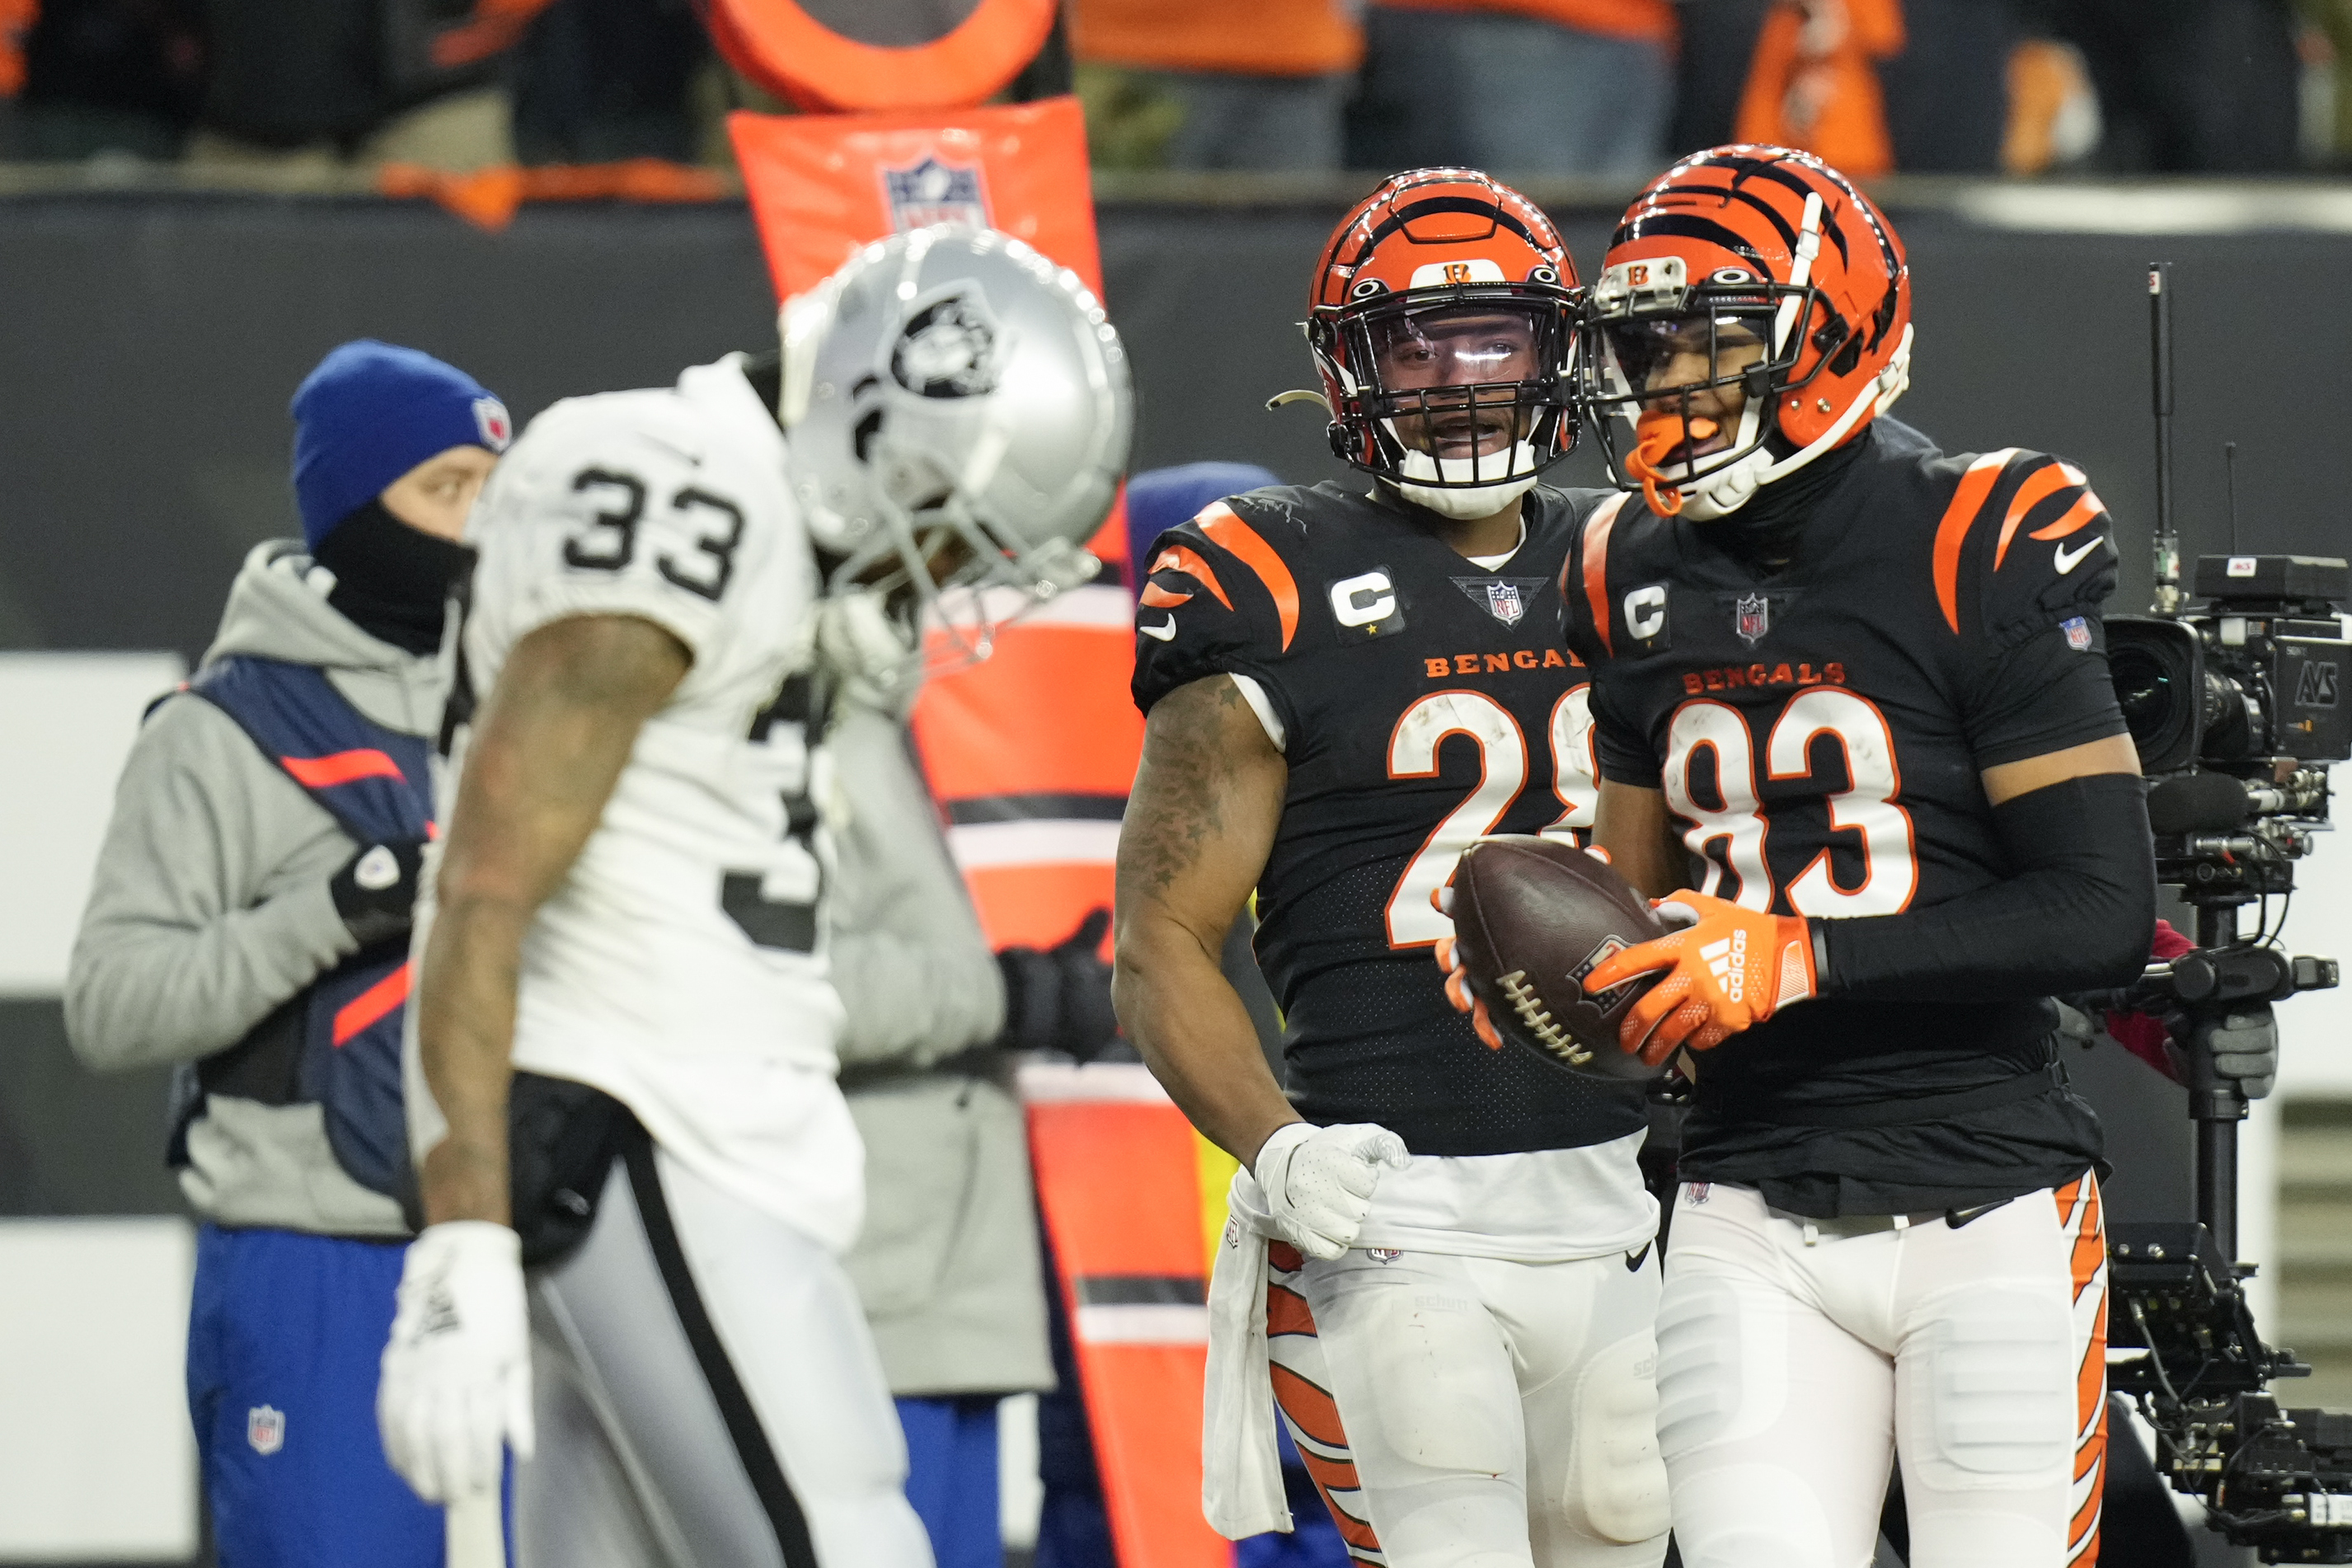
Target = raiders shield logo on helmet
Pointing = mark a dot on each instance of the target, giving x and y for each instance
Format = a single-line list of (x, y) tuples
[(948, 350)]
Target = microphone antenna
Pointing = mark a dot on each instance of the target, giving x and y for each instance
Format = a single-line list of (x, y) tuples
[(2230, 468), (2159, 341)]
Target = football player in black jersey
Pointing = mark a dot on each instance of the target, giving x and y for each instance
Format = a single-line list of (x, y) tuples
[(1449, 1244), (1859, 689)]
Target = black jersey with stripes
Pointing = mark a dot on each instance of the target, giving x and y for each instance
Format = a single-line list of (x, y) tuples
[(1420, 701), (1818, 731)]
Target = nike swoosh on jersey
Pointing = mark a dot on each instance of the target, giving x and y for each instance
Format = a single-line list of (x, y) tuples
[(2064, 561), (1165, 634)]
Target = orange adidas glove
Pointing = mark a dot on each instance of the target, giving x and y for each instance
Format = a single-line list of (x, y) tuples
[(1457, 992), (1730, 970)]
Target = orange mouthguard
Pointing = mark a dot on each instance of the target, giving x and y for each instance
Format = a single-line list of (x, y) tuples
[(1659, 434)]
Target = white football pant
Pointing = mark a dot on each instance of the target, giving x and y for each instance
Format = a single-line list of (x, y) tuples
[(1798, 1358), (708, 1394), (1472, 1413)]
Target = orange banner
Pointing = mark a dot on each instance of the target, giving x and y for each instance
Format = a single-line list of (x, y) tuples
[(822, 184)]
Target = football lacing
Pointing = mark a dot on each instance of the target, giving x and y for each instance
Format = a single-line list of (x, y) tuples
[(1530, 1009)]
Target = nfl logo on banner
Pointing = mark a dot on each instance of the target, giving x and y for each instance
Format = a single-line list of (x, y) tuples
[(265, 1428), (1752, 617), (932, 192), (1503, 600)]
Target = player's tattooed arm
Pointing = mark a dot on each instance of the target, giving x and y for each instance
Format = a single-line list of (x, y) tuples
[(1631, 824), (547, 748), (1200, 823)]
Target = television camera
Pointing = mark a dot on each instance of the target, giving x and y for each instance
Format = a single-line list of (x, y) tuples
[(2238, 703)]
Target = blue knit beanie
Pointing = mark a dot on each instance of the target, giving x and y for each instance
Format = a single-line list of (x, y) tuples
[(1161, 498), (370, 413)]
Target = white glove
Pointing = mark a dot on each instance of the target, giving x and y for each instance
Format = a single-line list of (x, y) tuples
[(455, 1388), (1319, 1181)]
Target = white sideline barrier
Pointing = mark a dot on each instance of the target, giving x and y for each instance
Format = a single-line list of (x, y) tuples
[(71, 718), (98, 1463)]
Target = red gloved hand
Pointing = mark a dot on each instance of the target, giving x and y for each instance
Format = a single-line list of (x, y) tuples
[(1730, 970), (2144, 1034), (1457, 992)]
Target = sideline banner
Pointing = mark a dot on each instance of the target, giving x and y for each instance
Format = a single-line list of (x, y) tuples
[(822, 186)]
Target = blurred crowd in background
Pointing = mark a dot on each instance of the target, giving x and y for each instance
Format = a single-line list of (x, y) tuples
[(1594, 87)]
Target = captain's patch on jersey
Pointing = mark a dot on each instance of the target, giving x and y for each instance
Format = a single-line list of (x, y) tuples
[(1366, 605), (1505, 598)]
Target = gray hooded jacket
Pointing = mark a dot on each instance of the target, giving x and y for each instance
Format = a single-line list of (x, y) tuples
[(210, 904), (947, 1266)]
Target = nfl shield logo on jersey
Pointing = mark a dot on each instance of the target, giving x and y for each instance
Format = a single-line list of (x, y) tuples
[(2078, 633), (1751, 617), (265, 1428), (931, 192), (1503, 602)]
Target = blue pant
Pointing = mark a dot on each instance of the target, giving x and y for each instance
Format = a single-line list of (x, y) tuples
[(284, 1339), (952, 1478)]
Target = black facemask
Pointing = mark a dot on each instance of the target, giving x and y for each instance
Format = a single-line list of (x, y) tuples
[(392, 581)]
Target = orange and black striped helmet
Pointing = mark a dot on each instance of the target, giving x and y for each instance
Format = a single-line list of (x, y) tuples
[(1754, 268), (1444, 324)]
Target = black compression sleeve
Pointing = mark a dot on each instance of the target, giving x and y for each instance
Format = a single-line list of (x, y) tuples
[(2075, 913)]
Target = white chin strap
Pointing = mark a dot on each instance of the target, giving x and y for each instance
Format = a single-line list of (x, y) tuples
[(1454, 494), (1725, 491)]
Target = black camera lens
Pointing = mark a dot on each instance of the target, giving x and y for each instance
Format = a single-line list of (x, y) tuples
[(2144, 690), (2160, 684)]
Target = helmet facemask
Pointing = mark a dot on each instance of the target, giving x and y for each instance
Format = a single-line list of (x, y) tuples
[(1669, 358), (1465, 393)]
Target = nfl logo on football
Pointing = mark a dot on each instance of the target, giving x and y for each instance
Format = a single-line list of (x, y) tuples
[(931, 192), (265, 1428), (1503, 600), (1752, 617)]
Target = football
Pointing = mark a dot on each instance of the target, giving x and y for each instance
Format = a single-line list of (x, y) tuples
[(1531, 919)]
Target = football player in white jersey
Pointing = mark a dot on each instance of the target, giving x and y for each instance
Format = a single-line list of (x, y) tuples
[(622, 1014)]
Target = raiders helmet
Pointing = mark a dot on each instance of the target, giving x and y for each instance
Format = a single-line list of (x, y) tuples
[(959, 413)]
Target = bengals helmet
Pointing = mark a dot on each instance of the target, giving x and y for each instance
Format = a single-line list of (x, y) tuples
[(1444, 323), (1750, 268)]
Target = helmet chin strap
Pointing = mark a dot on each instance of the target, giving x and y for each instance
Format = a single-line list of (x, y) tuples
[(1453, 495), (1725, 491)]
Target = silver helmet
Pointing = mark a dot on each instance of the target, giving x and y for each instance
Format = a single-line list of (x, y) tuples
[(953, 386)]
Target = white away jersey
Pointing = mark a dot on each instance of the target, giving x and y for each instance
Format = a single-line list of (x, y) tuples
[(678, 967)]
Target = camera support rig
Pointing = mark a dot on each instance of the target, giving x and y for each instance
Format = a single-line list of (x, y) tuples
[(2237, 707)]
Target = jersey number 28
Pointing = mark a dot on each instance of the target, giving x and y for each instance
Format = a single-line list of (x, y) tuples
[(1412, 920)]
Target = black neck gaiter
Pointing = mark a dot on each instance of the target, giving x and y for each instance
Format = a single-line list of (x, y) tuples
[(1764, 536), (392, 581)]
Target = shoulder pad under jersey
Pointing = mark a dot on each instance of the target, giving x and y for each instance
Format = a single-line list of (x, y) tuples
[(2021, 542)]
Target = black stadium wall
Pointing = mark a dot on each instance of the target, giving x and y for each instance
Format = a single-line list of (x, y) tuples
[(149, 344)]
